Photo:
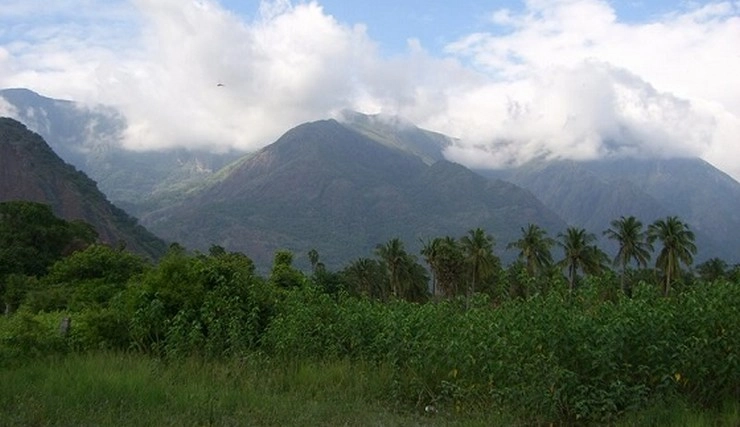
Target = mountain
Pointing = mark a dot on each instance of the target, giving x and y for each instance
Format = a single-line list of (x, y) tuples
[(327, 186), (90, 138), (587, 194), (592, 193), (394, 131), (30, 170)]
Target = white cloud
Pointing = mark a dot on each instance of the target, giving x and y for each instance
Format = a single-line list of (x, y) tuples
[(291, 65), (568, 78), (558, 78), (7, 110)]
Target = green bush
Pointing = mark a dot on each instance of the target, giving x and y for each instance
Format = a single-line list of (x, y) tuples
[(583, 357), (25, 336)]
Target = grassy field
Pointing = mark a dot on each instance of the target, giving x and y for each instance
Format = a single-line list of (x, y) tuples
[(124, 389), (117, 389)]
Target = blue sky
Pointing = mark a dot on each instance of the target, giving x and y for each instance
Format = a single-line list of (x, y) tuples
[(511, 79), (436, 23)]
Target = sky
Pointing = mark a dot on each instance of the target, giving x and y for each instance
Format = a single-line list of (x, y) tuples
[(512, 80)]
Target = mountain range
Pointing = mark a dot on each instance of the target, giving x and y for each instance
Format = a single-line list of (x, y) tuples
[(343, 186), (89, 137), (326, 186), (30, 170), (590, 194)]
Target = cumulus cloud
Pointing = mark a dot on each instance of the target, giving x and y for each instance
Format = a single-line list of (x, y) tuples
[(568, 79), (206, 78), (560, 78)]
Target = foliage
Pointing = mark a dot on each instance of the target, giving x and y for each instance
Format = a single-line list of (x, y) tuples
[(712, 269), (446, 261), (87, 278), (580, 254), (407, 278), (366, 277), (479, 259), (546, 352), (678, 247), (561, 358), (534, 249), (283, 274), (32, 237), (633, 244)]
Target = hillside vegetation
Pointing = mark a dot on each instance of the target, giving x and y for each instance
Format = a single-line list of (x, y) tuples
[(535, 342)]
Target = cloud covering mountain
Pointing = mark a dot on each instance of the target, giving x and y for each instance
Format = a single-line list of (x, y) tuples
[(559, 79)]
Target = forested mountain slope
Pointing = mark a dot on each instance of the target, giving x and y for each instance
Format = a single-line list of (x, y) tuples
[(30, 170), (326, 186)]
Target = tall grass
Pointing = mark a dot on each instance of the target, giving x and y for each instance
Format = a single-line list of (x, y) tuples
[(131, 389)]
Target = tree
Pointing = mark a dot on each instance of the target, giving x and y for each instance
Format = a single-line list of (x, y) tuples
[(408, 279), (367, 277), (478, 250), (414, 279), (32, 237), (580, 254), (393, 255), (87, 278), (534, 249), (712, 269), (678, 247), (446, 261), (283, 274), (313, 258), (430, 252), (633, 244)]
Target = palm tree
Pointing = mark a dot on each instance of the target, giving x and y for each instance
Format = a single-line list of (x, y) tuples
[(678, 247), (394, 256), (534, 249), (430, 250), (478, 250), (414, 280), (633, 244), (451, 266), (313, 258), (712, 269), (367, 277), (445, 259), (580, 254)]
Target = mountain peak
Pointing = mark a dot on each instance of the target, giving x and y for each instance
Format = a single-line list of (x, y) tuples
[(397, 132)]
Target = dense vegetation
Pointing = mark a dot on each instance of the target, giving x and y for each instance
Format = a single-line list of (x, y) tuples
[(542, 340)]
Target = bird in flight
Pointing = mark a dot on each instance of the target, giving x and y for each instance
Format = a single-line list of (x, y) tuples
[(220, 85)]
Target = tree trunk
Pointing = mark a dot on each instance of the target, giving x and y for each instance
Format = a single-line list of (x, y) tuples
[(624, 284)]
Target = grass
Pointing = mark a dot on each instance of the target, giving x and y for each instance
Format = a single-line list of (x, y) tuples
[(132, 389), (127, 389)]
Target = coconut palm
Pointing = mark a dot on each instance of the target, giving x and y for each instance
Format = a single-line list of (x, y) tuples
[(445, 259), (367, 277), (580, 254), (478, 252), (394, 256), (430, 250), (678, 247), (534, 249), (712, 269), (633, 244)]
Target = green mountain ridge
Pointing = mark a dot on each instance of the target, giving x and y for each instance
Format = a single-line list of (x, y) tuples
[(324, 185), (592, 193), (90, 138), (585, 194), (31, 171)]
